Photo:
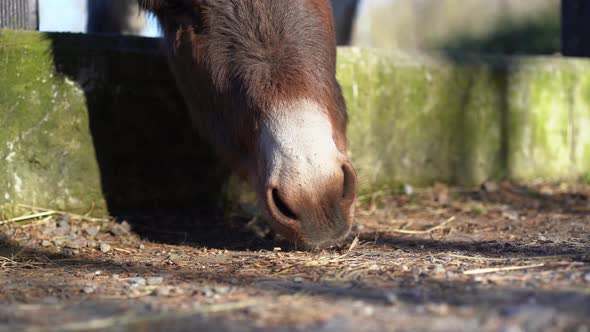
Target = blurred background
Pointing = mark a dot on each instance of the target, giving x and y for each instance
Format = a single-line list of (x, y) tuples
[(489, 26), (72, 16)]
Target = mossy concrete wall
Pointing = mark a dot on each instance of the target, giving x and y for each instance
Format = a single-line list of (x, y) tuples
[(96, 123), (463, 119)]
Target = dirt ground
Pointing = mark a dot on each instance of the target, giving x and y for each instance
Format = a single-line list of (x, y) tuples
[(502, 257)]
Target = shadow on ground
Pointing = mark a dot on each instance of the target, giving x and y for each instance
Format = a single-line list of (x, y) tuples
[(488, 248), (151, 162), (407, 290), (520, 197)]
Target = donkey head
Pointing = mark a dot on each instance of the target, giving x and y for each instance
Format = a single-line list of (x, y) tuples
[(259, 79)]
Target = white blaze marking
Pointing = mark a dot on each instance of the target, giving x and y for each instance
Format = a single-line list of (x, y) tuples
[(298, 145)]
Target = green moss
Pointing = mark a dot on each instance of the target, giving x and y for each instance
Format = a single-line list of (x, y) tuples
[(46, 148), (464, 119)]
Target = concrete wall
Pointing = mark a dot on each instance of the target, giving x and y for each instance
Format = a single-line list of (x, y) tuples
[(462, 119), (96, 123)]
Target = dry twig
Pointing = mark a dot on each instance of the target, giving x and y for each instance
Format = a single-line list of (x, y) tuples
[(478, 258), (73, 215), (28, 217), (354, 243), (502, 269), (427, 231)]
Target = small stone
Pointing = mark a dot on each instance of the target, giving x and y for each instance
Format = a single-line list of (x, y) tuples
[(105, 247), (154, 281), (77, 243), (71, 252), (62, 225), (59, 242), (207, 291), (490, 186), (510, 215), (368, 311), (92, 244), (141, 247), (49, 229), (163, 291), (438, 269), (511, 328), (391, 298), (7, 234), (46, 243), (480, 279), (298, 280), (374, 267), (363, 309), (174, 257), (89, 289), (92, 231), (587, 277), (167, 291), (408, 189), (137, 281), (222, 290), (441, 193), (358, 227), (121, 229), (441, 309), (31, 243)]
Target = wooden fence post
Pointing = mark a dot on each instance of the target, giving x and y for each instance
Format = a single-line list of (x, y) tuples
[(19, 14)]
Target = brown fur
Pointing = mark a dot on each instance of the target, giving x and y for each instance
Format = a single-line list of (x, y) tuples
[(235, 59)]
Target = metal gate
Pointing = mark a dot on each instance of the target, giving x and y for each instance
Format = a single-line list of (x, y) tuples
[(19, 14)]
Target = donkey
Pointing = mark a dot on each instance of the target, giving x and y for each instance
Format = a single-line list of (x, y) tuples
[(258, 77)]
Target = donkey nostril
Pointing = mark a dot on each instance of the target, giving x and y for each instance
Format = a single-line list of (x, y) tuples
[(349, 182), (282, 206)]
